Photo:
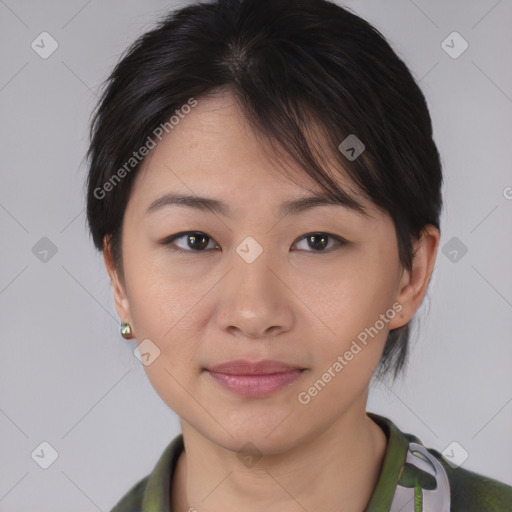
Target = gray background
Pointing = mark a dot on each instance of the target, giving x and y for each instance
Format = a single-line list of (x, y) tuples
[(67, 376)]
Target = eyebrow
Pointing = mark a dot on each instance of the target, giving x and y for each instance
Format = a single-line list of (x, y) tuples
[(294, 207)]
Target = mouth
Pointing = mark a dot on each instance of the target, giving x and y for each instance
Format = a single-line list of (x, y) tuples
[(255, 379), (246, 367)]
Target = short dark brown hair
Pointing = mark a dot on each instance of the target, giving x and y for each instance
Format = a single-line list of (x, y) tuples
[(289, 63)]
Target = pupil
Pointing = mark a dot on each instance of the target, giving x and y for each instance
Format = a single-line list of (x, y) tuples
[(193, 238), (322, 238)]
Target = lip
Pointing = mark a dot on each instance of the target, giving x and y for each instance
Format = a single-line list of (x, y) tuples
[(254, 379), (259, 385), (246, 367)]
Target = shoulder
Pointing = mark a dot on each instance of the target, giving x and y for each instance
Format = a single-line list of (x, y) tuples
[(470, 491), (420, 477), (132, 500), (473, 492), (153, 491)]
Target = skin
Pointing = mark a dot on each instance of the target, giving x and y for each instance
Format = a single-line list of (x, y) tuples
[(294, 303)]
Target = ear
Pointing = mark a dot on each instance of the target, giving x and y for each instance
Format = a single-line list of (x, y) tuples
[(118, 285), (414, 283)]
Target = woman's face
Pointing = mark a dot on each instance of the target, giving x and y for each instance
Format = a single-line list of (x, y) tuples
[(252, 287)]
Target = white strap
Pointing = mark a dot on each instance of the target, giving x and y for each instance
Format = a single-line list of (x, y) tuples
[(436, 500)]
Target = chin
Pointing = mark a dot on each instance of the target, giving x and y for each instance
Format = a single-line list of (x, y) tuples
[(248, 438)]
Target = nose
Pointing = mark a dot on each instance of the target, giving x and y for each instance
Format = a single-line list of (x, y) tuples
[(256, 300)]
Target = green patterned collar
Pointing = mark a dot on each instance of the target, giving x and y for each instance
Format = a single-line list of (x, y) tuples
[(394, 458)]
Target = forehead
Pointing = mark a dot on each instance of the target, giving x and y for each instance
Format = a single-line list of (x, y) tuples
[(213, 151)]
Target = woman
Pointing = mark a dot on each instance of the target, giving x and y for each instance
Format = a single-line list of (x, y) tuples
[(266, 192)]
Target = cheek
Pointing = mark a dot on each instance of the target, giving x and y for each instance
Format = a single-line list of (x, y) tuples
[(356, 315), (354, 295), (355, 307), (159, 295), (164, 309)]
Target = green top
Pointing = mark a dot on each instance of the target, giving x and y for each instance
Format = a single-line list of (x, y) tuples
[(412, 479)]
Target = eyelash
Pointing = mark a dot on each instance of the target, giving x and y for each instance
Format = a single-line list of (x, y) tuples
[(168, 242)]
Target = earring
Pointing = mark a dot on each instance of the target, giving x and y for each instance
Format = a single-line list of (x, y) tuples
[(126, 331)]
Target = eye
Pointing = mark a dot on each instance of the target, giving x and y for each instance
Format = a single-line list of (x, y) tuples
[(195, 241), (319, 241)]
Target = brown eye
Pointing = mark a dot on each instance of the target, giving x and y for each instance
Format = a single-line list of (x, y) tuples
[(319, 241), (193, 241), (197, 241)]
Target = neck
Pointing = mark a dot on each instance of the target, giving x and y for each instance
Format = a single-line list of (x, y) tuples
[(334, 471)]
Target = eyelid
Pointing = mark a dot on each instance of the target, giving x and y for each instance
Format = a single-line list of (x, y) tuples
[(168, 241)]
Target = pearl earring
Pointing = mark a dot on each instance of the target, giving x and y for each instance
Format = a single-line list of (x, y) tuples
[(126, 331)]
